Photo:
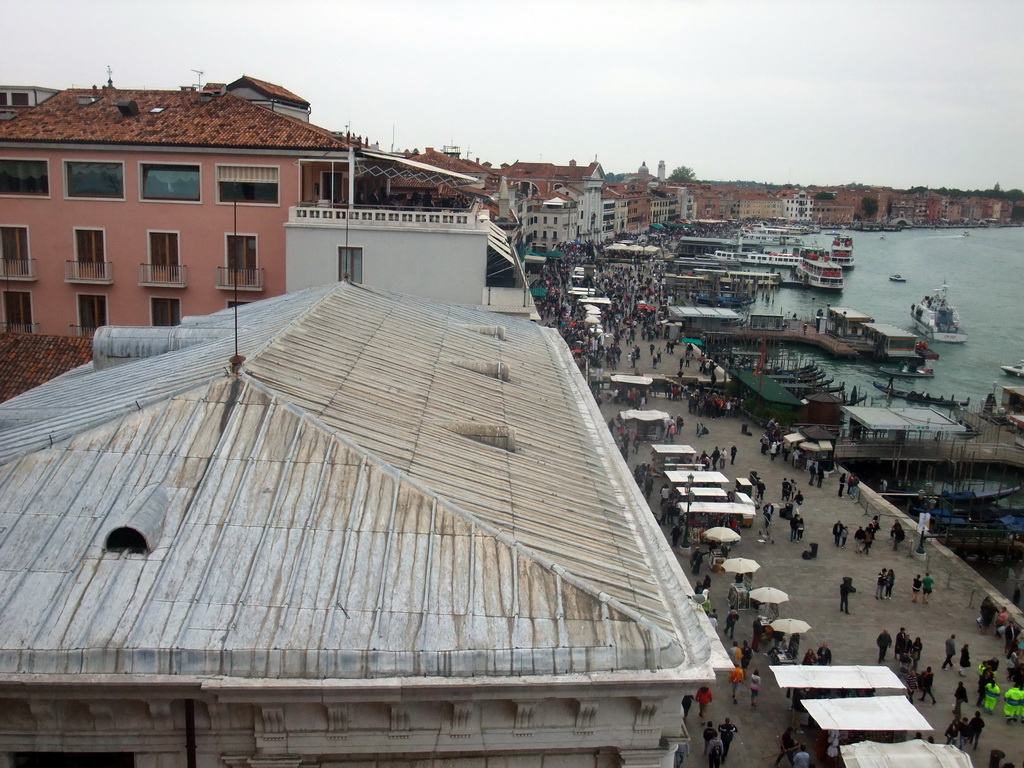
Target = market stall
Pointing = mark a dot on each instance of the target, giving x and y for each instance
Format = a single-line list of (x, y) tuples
[(649, 425), (908, 754)]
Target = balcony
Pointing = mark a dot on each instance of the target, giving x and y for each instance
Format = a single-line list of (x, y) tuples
[(388, 218), (18, 269), (242, 279), (82, 331), (89, 272), (19, 327), (163, 275)]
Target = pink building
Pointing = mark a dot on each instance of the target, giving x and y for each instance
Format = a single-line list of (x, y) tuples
[(139, 207)]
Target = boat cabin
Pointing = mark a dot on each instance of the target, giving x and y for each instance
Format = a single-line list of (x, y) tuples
[(767, 322), (890, 342), (847, 323)]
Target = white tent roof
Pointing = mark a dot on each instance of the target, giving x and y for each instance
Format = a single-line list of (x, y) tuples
[(799, 676), (908, 754), (624, 378), (672, 449), (644, 415), (677, 477), (722, 508), (868, 713), (596, 300), (903, 419)]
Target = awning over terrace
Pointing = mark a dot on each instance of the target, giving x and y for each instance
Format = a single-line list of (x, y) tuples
[(926, 420)]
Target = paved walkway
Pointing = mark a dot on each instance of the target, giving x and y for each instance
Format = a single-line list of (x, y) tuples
[(813, 586)]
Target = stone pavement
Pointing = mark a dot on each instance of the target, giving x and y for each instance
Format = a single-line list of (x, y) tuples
[(813, 587)]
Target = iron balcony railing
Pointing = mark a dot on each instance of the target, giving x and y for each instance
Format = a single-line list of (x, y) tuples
[(244, 279), (88, 272), (163, 275)]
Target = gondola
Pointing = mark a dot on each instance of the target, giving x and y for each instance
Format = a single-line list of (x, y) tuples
[(905, 371), (917, 397)]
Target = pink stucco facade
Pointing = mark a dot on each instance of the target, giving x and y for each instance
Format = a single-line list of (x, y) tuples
[(130, 228)]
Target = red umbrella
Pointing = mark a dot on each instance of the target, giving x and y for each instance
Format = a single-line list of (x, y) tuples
[(646, 307)]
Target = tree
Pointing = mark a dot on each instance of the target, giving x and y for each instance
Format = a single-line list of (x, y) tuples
[(825, 196), (682, 173), (870, 206)]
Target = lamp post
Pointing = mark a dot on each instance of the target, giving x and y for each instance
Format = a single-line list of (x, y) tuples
[(925, 516), (686, 521)]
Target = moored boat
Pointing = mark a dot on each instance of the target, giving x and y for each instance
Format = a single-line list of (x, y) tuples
[(937, 320), (842, 251), (921, 350), (898, 278), (1013, 370), (921, 397), (905, 371)]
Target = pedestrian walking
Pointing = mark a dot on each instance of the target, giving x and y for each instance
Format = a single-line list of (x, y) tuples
[(755, 687), (736, 679), (950, 651), (890, 582), (977, 726), (726, 732), (926, 587), (732, 455), (787, 747), (916, 587), (959, 699), (880, 583), (704, 697), (883, 641), (842, 484), (927, 680), (845, 588), (713, 750), (965, 660)]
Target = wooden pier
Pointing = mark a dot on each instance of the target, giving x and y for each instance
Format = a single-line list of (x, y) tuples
[(798, 332)]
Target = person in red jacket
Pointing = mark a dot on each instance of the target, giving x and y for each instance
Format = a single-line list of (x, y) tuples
[(703, 699)]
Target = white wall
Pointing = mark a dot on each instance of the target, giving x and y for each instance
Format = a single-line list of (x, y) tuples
[(448, 266)]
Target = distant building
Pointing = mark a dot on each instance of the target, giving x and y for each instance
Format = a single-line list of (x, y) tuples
[(345, 547)]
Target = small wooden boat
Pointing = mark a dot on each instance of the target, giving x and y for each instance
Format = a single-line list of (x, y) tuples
[(906, 371), (898, 278), (918, 397)]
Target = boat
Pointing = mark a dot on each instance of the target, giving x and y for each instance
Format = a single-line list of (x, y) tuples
[(816, 270), (918, 397), (1013, 370), (842, 251), (937, 320), (920, 372), (898, 278), (752, 258), (975, 496), (921, 350), (965, 233)]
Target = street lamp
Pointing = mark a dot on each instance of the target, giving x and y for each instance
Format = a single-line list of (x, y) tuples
[(925, 516), (689, 501)]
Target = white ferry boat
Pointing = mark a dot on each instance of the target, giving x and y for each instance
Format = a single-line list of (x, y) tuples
[(842, 251), (762, 235), (937, 320), (751, 258), (817, 270)]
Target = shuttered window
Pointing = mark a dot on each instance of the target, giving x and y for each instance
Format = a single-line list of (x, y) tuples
[(247, 184)]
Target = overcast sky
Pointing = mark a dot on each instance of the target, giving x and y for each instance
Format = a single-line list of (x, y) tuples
[(893, 92)]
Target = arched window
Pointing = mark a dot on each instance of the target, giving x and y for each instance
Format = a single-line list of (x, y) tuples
[(126, 540)]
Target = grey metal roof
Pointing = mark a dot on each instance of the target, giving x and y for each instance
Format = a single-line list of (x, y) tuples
[(345, 507)]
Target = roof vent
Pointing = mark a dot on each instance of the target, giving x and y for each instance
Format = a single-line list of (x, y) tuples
[(128, 108), (137, 527), (8, 114), (498, 371), (85, 101), (497, 331), (497, 435)]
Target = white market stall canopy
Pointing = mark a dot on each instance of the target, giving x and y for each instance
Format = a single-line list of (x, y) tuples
[(722, 508), (859, 677), (680, 477), (597, 300), (793, 438), (867, 713), (907, 754), (926, 420), (643, 415), (640, 381), (672, 449), (816, 446)]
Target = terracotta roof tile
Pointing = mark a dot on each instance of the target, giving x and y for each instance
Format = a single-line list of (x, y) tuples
[(28, 360), (269, 89), (186, 120), (449, 163)]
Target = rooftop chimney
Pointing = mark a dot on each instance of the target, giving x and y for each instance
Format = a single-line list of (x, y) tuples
[(128, 108)]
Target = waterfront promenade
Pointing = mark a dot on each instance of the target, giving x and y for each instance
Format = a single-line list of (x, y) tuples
[(813, 586)]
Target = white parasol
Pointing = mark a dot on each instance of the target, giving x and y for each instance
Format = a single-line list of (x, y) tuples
[(790, 625), (768, 595), (721, 534), (740, 565)]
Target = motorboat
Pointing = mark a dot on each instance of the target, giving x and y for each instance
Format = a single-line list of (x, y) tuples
[(922, 350), (921, 397), (817, 270), (906, 371), (898, 278), (937, 320), (1013, 370)]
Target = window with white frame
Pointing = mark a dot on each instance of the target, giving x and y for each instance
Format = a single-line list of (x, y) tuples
[(170, 182), (24, 177), (96, 180), (350, 263)]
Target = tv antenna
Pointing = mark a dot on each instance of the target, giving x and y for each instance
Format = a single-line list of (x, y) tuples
[(199, 77)]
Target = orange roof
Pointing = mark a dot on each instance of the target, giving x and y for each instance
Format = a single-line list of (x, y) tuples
[(440, 160), (268, 89), (165, 118), (28, 360)]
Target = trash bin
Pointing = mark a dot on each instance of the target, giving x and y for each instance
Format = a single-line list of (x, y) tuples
[(995, 758)]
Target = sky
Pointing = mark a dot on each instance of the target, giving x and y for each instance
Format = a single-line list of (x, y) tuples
[(896, 92)]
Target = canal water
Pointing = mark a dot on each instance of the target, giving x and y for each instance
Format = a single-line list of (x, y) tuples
[(983, 272)]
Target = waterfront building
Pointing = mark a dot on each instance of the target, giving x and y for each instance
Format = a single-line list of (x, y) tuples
[(536, 183), (889, 341), (326, 530)]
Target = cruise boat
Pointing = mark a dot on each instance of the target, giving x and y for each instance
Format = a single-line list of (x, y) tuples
[(842, 251), (762, 235), (937, 320), (817, 270)]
